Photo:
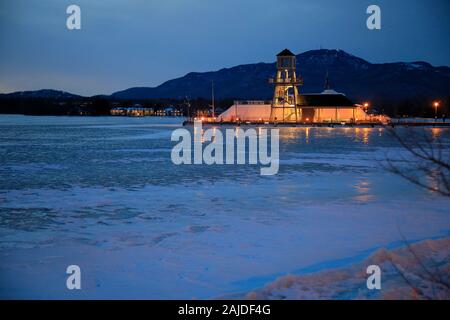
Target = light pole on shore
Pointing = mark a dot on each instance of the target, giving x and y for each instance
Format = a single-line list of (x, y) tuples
[(366, 109), (436, 106)]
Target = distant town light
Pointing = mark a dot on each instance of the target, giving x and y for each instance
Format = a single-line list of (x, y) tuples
[(366, 104)]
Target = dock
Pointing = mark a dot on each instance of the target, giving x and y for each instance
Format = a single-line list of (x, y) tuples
[(438, 124)]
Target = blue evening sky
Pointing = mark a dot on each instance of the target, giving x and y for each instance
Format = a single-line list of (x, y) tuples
[(125, 43)]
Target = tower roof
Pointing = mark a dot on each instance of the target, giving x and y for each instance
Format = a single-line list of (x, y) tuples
[(286, 53)]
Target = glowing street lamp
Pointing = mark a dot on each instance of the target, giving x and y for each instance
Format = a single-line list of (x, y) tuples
[(436, 106), (366, 108)]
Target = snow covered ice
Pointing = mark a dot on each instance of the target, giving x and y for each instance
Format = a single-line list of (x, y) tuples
[(349, 282), (102, 193)]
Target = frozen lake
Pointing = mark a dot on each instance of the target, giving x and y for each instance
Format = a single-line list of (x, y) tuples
[(102, 193)]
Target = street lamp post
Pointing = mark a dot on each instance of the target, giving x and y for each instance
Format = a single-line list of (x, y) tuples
[(436, 105), (366, 109)]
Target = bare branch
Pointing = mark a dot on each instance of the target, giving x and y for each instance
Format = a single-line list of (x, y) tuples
[(427, 156)]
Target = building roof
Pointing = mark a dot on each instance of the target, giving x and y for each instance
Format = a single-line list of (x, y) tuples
[(329, 91), (324, 100), (285, 53)]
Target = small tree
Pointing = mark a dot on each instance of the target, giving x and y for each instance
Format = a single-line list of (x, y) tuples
[(427, 156)]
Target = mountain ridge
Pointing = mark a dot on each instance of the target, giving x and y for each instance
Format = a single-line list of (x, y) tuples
[(357, 78), (42, 93), (354, 76)]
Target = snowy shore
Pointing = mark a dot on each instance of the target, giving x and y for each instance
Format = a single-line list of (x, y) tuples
[(414, 271)]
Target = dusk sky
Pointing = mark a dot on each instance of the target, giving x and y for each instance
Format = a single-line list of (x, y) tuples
[(131, 43)]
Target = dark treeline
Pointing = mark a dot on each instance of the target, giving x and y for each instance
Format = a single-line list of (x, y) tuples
[(96, 106), (51, 106), (418, 107)]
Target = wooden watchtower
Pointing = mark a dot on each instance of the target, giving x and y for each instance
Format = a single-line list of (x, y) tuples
[(285, 97)]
